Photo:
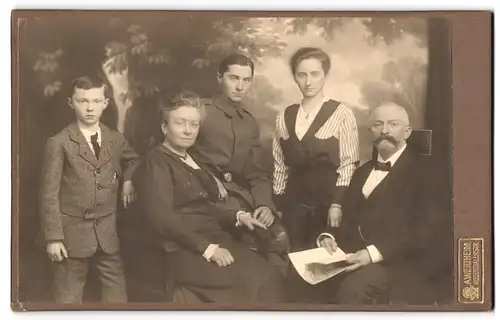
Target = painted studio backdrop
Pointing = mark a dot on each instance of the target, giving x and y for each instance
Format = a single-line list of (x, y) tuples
[(150, 57)]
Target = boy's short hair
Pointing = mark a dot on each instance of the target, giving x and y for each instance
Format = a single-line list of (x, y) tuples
[(89, 82), (238, 59)]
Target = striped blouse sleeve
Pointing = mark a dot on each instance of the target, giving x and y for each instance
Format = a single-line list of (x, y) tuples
[(349, 152), (280, 173)]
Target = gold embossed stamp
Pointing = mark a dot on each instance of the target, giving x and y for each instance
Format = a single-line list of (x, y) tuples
[(471, 270)]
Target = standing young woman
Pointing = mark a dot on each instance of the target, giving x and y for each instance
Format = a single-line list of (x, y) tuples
[(316, 150)]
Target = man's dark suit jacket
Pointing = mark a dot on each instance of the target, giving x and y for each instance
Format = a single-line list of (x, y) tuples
[(402, 217), (79, 194)]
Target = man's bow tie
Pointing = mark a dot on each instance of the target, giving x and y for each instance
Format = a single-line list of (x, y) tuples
[(382, 166)]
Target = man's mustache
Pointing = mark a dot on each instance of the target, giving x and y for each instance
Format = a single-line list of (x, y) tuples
[(388, 138)]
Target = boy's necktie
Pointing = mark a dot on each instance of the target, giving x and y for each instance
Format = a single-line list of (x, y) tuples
[(95, 145)]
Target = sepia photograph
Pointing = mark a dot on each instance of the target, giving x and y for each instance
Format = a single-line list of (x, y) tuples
[(237, 159)]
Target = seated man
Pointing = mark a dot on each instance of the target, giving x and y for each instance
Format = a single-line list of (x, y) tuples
[(229, 145), (392, 213)]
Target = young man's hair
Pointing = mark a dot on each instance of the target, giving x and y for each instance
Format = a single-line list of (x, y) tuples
[(310, 53), (89, 82), (235, 59)]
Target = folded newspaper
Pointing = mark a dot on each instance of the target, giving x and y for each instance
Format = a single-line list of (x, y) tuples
[(317, 265)]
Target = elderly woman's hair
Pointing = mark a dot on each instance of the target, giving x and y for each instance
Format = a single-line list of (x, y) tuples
[(183, 99), (310, 53)]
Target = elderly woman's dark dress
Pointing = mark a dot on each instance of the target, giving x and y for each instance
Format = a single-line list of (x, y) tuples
[(181, 206)]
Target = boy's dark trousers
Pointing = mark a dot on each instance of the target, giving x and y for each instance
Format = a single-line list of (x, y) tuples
[(70, 276)]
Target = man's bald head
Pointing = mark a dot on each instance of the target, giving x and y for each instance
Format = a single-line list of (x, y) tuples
[(390, 110), (390, 127)]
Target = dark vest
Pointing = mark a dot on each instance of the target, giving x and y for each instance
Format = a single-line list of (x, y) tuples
[(312, 163)]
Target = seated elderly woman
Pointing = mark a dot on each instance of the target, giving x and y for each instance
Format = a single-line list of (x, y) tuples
[(180, 200)]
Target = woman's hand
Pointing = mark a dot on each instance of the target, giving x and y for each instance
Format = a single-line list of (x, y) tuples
[(222, 257), (222, 189), (334, 216)]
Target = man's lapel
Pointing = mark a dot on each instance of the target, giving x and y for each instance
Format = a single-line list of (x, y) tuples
[(394, 177), (84, 150), (106, 145)]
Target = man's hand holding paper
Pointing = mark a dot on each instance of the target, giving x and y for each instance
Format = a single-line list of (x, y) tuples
[(329, 244), (358, 260), (318, 264)]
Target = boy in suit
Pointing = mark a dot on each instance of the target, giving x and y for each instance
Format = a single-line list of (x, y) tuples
[(80, 183)]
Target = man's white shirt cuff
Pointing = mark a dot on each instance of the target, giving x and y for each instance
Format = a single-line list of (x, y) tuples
[(323, 235), (375, 255), (238, 215), (209, 252)]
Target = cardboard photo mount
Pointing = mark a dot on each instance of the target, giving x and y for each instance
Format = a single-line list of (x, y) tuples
[(470, 52)]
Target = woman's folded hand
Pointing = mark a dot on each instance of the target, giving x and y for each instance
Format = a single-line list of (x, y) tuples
[(222, 257), (222, 189)]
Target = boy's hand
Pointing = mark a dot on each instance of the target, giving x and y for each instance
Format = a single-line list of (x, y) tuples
[(56, 251), (128, 194)]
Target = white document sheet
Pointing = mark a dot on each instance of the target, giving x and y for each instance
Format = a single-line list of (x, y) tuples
[(317, 265)]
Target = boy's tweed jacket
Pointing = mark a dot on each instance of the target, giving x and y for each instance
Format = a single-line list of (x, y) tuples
[(79, 194)]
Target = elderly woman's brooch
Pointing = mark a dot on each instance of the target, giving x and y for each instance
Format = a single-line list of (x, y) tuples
[(228, 177)]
